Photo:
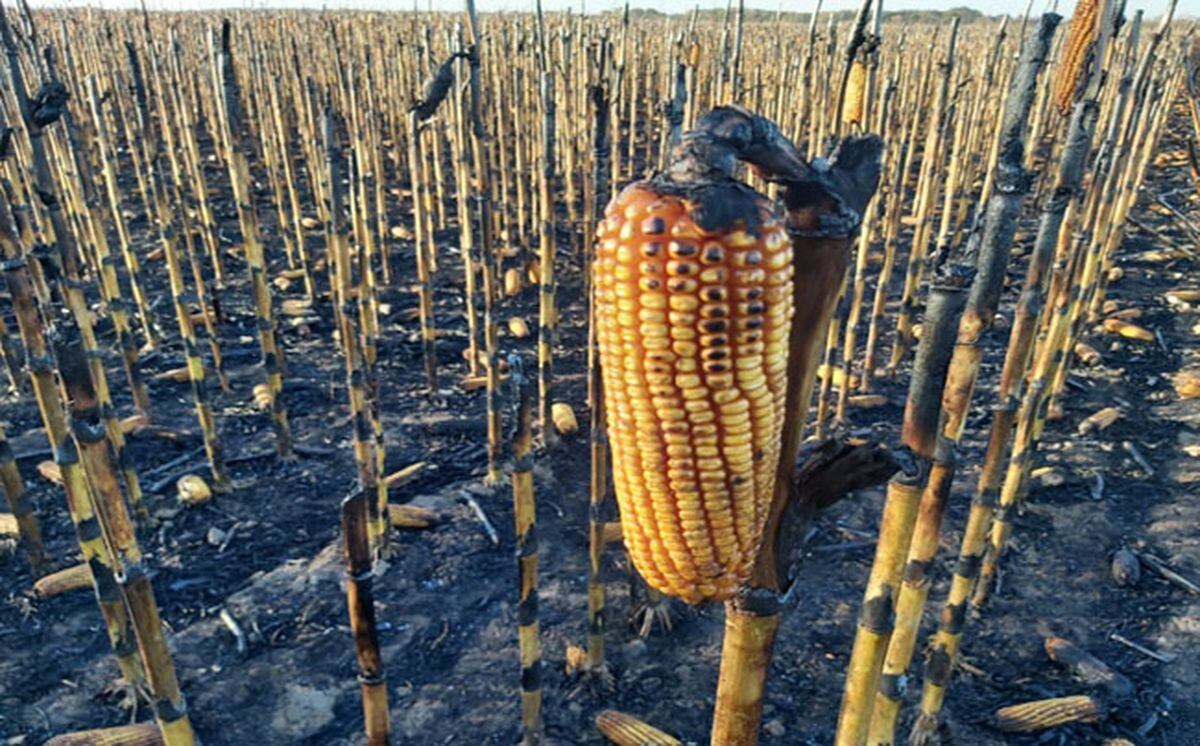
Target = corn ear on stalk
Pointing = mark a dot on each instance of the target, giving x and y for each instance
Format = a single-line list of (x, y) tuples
[(692, 329), (626, 730), (139, 734), (1075, 51), (1030, 717), (856, 89), (68, 579)]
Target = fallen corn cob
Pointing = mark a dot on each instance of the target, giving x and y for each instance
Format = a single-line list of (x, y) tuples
[(63, 581), (626, 730), (1041, 714), (139, 734)]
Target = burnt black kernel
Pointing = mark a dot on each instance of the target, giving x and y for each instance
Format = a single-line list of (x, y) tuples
[(714, 325), (714, 294), (716, 311), (754, 323), (713, 254), (683, 249), (682, 268), (716, 367), (676, 285), (654, 226), (718, 354), (754, 293), (754, 257), (651, 283), (652, 249), (756, 307)]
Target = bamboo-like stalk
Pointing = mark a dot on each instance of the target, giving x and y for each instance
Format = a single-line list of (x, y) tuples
[(22, 511), (360, 601), (1056, 318), (231, 125), (820, 259), (41, 372), (547, 311), (167, 699), (930, 182), (992, 256), (483, 201), (525, 515), (598, 517)]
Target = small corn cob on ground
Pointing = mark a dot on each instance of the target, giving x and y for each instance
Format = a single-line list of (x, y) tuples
[(67, 579), (411, 516), (8, 525), (692, 328), (1074, 53), (626, 730), (140, 734), (1041, 714)]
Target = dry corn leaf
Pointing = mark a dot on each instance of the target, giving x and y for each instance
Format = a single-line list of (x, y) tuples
[(576, 660), (1100, 420), (154, 255), (534, 272), (68, 579), (281, 283), (1127, 330), (292, 274), (309, 223), (192, 490), (50, 471), (612, 532), (1127, 314), (401, 232), (1115, 274), (564, 418)]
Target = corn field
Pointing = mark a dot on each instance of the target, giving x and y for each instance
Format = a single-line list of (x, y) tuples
[(831, 377)]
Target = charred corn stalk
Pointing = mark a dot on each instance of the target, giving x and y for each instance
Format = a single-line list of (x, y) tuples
[(231, 125), (599, 506), (360, 601), (167, 700), (945, 645), (547, 310), (626, 730), (1056, 319), (900, 510), (139, 734), (22, 512), (40, 365), (1030, 717), (525, 514), (420, 248), (1012, 183)]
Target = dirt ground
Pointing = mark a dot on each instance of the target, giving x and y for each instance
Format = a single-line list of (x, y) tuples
[(269, 554)]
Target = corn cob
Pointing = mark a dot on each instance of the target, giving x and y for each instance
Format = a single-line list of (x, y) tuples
[(139, 734), (1187, 384), (626, 730), (1030, 717), (1127, 330), (1075, 51), (65, 580), (692, 327), (856, 89), (411, 516), (564, 418), (8, 524), (1099, 420)]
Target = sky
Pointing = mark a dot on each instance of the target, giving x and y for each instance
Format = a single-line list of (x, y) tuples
[(1151, 7)]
